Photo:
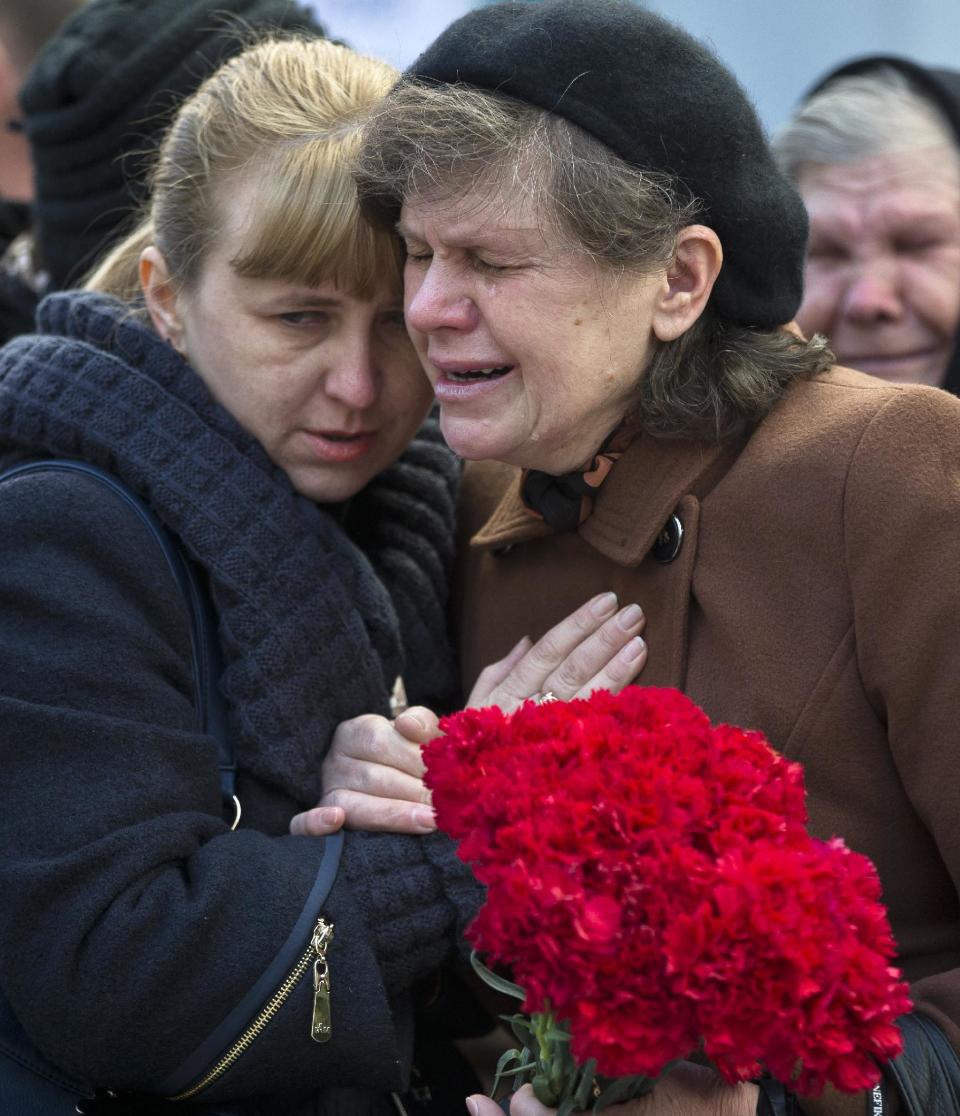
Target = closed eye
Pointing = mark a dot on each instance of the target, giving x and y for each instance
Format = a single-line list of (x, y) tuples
[(915, 245), (826, 250), (418, 255), (302, 318), (485, 265)]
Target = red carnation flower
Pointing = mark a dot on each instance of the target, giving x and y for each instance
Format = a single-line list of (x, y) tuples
[(651, 884)]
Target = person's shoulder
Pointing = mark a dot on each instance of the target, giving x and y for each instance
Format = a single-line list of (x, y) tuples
[(842, 397), (70, 526), (848, 387), (900, 443), (65, 503), (86, 585)]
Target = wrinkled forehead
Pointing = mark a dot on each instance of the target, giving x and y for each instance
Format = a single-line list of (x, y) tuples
[(931, 173), (502, 203)]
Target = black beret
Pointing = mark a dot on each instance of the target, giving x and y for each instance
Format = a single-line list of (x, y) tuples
[(99, 97), (662, 101)]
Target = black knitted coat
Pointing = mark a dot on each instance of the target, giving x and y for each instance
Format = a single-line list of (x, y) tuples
[(134, 923)]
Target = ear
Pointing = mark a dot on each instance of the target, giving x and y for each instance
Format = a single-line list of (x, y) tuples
[(688, 282), (160, 296)]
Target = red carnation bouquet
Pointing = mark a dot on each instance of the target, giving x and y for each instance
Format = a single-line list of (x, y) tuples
[(654, 893)]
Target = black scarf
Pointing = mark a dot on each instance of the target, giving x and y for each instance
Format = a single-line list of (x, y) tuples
[(310, 634), (564, 502)]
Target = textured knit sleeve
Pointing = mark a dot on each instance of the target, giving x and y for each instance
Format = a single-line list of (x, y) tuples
[(133, 922), (411, 937)]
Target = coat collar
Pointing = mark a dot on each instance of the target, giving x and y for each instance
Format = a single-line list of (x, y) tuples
[(632, 504)]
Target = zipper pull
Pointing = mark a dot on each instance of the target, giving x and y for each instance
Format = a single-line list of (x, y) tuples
[(321, 1025)]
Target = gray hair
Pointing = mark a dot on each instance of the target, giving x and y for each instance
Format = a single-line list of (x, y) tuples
[(498, 147), (858, 116), (435, 143)]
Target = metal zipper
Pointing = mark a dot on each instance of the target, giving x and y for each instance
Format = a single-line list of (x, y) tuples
[(320, 1023)]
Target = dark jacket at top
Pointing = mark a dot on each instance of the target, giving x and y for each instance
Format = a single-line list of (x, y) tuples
[(133, 922)]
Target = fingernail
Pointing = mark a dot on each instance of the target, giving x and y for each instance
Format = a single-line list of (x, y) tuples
[(472, 1107), (424, 818), (417, 720), (329, 815), (633, 650), (604, 605), (630, 617)]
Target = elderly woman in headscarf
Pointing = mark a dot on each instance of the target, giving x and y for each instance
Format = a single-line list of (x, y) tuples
[(603, 263), (874, 151)]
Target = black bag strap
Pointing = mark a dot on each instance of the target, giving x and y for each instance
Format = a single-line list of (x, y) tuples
[(927, 1073), (207, 661)]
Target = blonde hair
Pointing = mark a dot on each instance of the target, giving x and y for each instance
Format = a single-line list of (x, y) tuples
[(288, 111)]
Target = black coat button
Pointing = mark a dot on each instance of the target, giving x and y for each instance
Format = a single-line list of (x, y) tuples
[(669, 541)]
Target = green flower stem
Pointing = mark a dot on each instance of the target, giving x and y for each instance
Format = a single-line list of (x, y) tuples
[(542, 1023), (556, 1072)]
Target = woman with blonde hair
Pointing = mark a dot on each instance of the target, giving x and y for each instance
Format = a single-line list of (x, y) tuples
[(603, 265), (238, 368)]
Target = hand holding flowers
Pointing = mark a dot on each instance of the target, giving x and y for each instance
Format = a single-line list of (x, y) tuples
[(687, 1090)]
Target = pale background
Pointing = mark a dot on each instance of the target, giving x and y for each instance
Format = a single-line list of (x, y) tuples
[(776, 48)]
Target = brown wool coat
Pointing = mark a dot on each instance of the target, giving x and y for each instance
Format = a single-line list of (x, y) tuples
[(815, 596)]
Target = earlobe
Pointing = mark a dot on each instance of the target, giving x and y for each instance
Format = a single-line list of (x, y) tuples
[(688, 282), (160, 297)]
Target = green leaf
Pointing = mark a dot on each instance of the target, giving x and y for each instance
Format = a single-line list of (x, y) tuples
[(506, 1058), (623, 1089), (517, 1069), (501, 984), (501, 1071), (543, 1092), (519, 1024), (557, 1078), (584, 1089), (558, 1034), (523, 1033)]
